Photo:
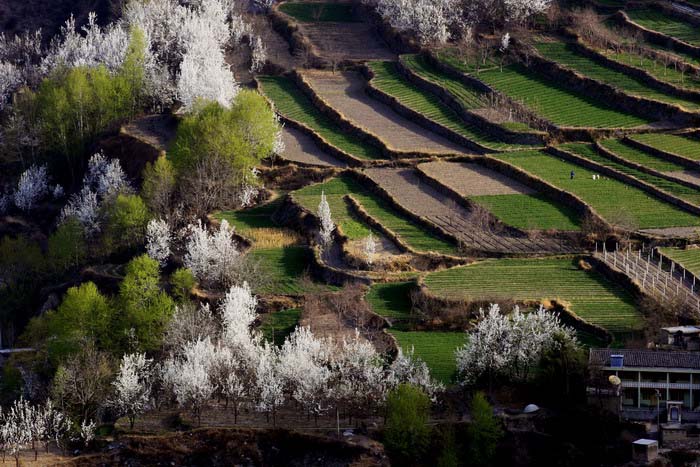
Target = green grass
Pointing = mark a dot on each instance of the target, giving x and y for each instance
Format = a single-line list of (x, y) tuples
[(259, 217), (435, 348), (414, 235), (391, 300), (291, 102), (630, 153), (554, 102), (655, 68), (278, 325), (588, 151), (680, 145), (589, 294), (612, 199), (390, 81), (319, 12), (689, 259), (566, 55), (466, 63), (530, 211), (656, 20)]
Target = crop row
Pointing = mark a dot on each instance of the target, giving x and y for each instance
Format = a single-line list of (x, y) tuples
[(656, 68), (615, 201), (689, 259), (630, 153), (530, 211), (585, 292), (291, 102), (565, 54), (681, 145), (658, 21)]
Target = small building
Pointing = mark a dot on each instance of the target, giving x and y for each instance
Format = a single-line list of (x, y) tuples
[(645, 450), (653, 384), (682, 337)]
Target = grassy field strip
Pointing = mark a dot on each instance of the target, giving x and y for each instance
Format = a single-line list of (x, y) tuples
[(658, 21), (319, 12), (276, 326), (655, 68), (554, 102), (680, 145), (688, 258), (566, 55), (681, 191), (291, 102), (414, 235), (391, 300), (625, 151), (388, 80), (612, 199), (588, 294)]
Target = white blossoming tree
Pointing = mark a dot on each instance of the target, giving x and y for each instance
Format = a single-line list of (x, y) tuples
[(132, 386), (33, 185), (158, 238), (212, 257), (326, 220)]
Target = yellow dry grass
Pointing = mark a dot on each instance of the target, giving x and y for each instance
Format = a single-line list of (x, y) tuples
[(266, 237)]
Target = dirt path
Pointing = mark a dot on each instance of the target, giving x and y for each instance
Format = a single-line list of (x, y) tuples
[(470, 179), (674, 232), (423, 200), (346, 41), (345, 91), (299, 147)]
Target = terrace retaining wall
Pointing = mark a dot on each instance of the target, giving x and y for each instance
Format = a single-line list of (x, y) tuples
[(669, 156), (299, 44), (656, 37)]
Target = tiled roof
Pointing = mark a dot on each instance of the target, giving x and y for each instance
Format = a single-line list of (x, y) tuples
[(646, 358)]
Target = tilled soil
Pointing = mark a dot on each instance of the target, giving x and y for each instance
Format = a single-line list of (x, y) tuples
[(299, 147), (345, 91), (423, 200), (346, 41), (687, 175), (469, 179)]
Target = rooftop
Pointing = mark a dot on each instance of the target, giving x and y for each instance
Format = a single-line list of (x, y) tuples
[(683, 329), (646, 358)]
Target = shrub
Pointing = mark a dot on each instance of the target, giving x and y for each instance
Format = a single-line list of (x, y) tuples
[(182, 282), (127, 217), (485, 431), (407, 434), (66, 246)]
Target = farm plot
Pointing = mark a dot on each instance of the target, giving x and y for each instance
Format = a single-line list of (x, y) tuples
[(345, 91), (339, 41), (414, 235), (467, 226), (658, 21), (390, 81), (291, 102), (566, 55), (656, 68), (588, 151), (510, 201), (299, 147), (554, 102), (276, 326), (675, 144), (617, 202), (391, 300), (585, 292), (688, 258), (319, 12), (435, 348)]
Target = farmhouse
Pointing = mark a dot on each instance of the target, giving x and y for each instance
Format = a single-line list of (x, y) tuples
[(653, 383)]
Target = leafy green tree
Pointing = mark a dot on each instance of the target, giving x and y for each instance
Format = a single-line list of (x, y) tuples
[(561, 372), (158, 185), (19, 257), (406, 433), (182, 281), (484, 432), (131, 76), (66, 246), (146, 308), (449, 453), (127, 217)]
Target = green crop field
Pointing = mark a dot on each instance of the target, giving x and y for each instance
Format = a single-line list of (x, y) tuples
[(414, 235), (630, 153), (612, 199), (588, 294), (291, 102), (566, 55), (259, 217), (680, 145), (276, 326), (655, 68), (454, 57), (391, 300), (530, 212), (554, 102), (588, 151), (435, 348), (656, 20), (390, 81), (319, 12), (689, 259)]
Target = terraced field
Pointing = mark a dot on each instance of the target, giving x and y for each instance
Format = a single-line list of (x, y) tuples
[(390, 81), (299, 147), (612, 199), (414, 235), (276, 326), (391, 300), (291, 102), (588, 294), (435, 348), (657, 21), (346, 92), (681, 145), (319, 12), (656, 68), (425, 201), (554, 102), (588, 151), (513, 203), (566, 55), (688, 258)]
